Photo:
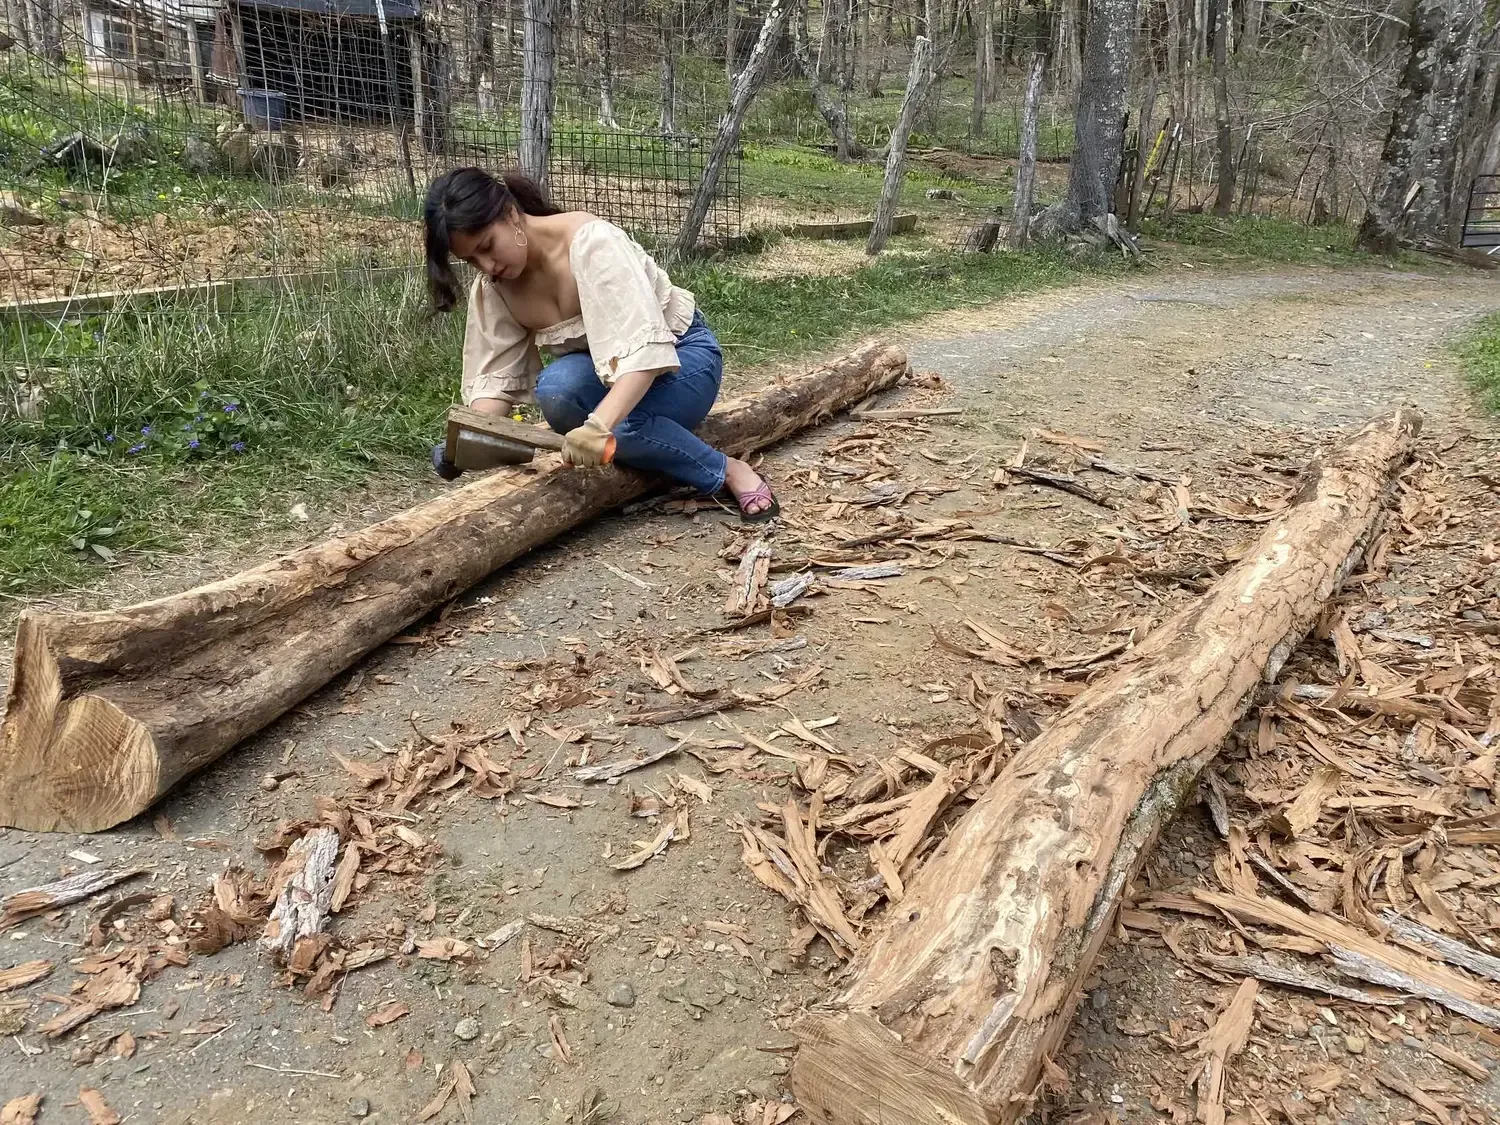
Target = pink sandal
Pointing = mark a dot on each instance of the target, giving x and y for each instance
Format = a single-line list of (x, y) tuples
[(763, 493)]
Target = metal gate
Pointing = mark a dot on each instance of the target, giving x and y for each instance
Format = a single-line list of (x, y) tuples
[(1482, 219)]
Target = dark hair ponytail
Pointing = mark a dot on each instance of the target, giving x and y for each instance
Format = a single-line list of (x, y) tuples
[(464, 201)]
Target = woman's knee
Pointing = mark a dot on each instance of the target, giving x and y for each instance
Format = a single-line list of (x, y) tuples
[(567, 390)]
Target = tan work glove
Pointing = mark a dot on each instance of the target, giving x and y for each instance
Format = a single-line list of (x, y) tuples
[(589, 444)]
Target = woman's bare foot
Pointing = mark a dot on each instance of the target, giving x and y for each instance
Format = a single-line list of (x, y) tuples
[(742, 480)]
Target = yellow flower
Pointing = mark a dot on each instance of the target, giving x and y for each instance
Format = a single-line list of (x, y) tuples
[(518, 417)]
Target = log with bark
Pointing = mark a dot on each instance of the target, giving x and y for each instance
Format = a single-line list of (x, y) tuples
[(107, 710), (956, 1004)]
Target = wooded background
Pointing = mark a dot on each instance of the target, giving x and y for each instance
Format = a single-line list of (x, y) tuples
[(1385, 113)]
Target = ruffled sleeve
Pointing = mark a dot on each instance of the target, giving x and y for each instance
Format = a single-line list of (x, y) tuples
[(622, 308), (500, 356)]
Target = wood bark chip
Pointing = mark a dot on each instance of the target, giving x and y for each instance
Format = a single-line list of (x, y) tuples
[(1227, 1038), (21, 1110), (305, 898), (1304, 811), (1357, 954), (28, 972), (980, 968), (108, 710), (100, 1112), (17, 907), (1290, 975), (1416, 936), (744, 594)]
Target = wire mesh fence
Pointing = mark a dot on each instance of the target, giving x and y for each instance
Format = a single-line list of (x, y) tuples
[(153, 143)]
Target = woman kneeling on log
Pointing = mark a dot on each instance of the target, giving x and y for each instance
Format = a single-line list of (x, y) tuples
[(635, 369)]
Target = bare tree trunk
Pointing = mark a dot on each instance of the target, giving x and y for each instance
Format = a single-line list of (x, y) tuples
[(510, 31), (1099, 128), (1070, 56), (606, 63), (666, 119), (917, 81), (1143, 149), (1174, 52), (828, 41), (983, 61), (1219, 16), (1430, 39), (1433, 214), (1020, 226), (47, 30), (1250, 40), (727, 139), (829, 106), (730, 18), (848, 49), (483, 69), (538, 69), (862, 44), (876, 73), (20, 24)]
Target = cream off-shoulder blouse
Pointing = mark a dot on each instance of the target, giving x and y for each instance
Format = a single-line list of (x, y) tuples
[(631, 317)]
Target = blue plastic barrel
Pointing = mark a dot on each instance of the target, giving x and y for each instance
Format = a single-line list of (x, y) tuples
[(264, 109)]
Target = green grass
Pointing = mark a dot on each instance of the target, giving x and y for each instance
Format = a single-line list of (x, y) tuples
[(287, 396), (1245, 238), (804, 177), (328, 389), (1481, 356)]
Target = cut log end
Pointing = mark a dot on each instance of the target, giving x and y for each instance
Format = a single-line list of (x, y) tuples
[(851, 1061), (108, 760)]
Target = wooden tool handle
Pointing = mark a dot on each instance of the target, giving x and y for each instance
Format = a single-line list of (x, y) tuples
[(538, 437)]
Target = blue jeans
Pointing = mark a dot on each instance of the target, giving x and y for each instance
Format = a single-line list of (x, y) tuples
[(657, 435)]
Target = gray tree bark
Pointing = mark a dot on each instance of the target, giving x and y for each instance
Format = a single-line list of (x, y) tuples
[(984, 62), (1435, 214), (20, 24), (730, 47), (1250, 41), (831, 107), (727, 139), (1432, 43), (482, 68), (47, 30), (875, 75), (1020, 226), (847, 48), (1099, 127), (538, 70), (1219, 16), (605, 60), (666, 119), (918, 79)]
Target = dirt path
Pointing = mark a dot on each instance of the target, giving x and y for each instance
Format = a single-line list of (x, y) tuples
[(673, 1000)]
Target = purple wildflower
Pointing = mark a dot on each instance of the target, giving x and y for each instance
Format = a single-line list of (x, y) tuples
[(230, 408), (238, 447), (193, 444), (109, 438), (137, 447), (145, 431)]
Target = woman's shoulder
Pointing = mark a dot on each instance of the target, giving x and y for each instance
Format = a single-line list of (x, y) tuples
[(596, 235)]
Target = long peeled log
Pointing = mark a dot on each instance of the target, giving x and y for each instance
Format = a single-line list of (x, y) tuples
[(980, 966), (108, 710)]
